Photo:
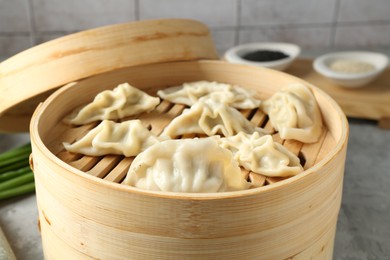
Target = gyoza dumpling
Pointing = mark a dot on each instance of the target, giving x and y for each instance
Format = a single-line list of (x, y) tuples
[(186, 165), (122, 101), (260, 154), (210, 117), (189, 93), (128, 138), (294, 112)]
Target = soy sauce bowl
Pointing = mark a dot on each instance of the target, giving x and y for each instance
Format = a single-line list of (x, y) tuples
[(236, 54)]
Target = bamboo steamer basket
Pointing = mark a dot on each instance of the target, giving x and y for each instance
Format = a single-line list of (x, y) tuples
[(86, 213)]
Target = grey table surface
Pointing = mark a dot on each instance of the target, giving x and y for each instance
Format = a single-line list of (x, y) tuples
[(363, 230)]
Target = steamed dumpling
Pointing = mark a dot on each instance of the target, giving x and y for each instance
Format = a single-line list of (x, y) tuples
[(122, 101), (128, 138), (189, 93), (210, 117), (186, 165), (260, 154), (294, 112)]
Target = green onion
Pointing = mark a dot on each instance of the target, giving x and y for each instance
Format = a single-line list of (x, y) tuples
[(17, 181), (25, 149), (12, 174), (16, 177), (15, 159), (14, 166), (20, 190), (19, 158)]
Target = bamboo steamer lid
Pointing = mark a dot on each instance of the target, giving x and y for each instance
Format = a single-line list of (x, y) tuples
[(32, 75)]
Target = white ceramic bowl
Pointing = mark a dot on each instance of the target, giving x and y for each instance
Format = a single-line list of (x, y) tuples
[(235, 54), (352, 80)]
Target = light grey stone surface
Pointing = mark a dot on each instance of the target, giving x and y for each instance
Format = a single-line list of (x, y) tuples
[(363, 230), (19, 216)]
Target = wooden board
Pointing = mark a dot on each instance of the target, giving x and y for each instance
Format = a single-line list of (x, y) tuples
[(369, 102)]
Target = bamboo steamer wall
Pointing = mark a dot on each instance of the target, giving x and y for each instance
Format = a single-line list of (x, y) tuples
[(86, 217)]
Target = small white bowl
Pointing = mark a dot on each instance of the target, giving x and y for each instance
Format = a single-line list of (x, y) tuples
[(235, 54), (351, 80)]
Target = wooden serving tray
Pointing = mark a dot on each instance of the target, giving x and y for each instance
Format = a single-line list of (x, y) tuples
[(369, 102)]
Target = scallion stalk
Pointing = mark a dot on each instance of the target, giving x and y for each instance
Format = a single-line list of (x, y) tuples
[(14, 166), (17, 191), (12, 174), (16, 177), (17, 181), (24, 149)]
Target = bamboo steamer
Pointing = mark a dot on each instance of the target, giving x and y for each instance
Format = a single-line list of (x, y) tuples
[(86, 213)]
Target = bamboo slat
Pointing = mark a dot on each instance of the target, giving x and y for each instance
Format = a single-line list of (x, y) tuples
[(158, 119)]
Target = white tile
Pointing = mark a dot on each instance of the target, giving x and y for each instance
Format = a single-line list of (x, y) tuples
[(44, 37), (307, 37), (280, 12), (214, 13), (14, 16), (11, 45), (73, 15), (223, 40), (362, 36), (364, 10)]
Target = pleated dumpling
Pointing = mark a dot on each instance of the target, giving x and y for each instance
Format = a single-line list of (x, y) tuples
[(127, 138), (260, 154), (122, 101), (189, 93), (294, 112), (186, 165), (210, 117)]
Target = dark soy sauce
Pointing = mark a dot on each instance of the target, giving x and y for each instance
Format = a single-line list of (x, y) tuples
[(264, 55)]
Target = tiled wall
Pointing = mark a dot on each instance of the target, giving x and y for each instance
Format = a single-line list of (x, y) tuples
[(313, 24)]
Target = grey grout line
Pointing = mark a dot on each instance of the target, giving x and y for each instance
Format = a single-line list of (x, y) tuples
[(32, 25), (136, 10), (15, 33), (238, 23), (311, 25), (363, 23), (334, 23)]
